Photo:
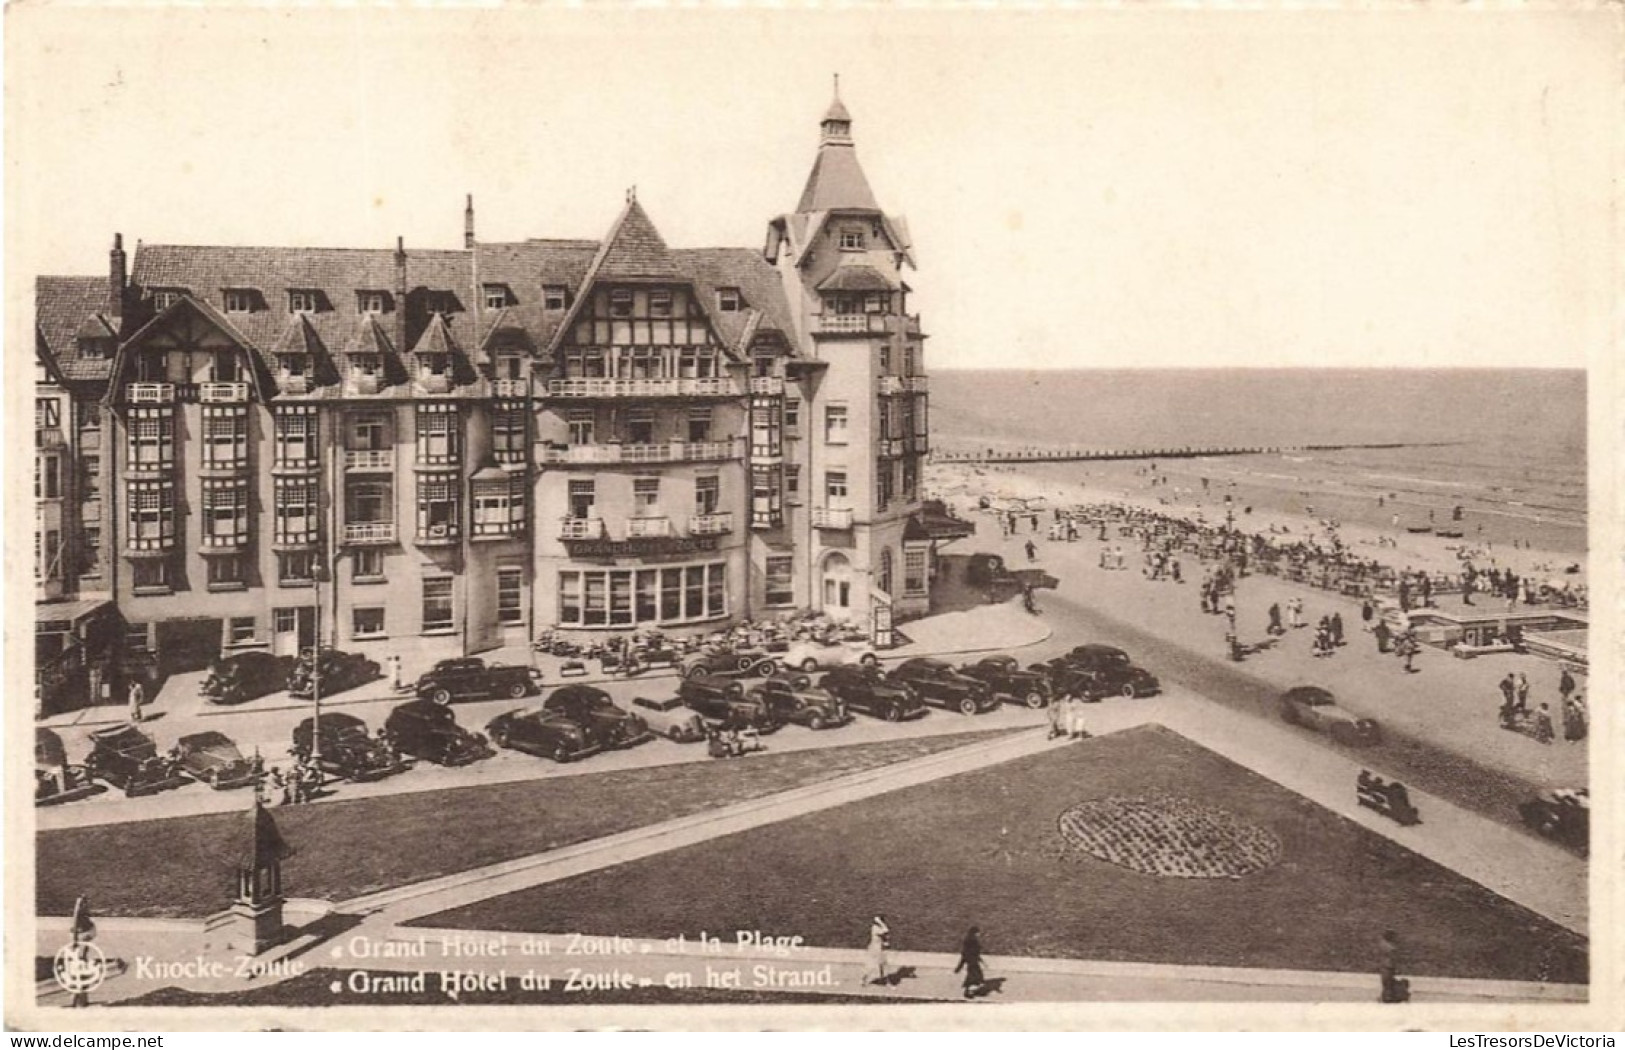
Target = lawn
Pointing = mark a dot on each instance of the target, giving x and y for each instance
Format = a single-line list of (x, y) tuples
[(181, 867), (984, 847)]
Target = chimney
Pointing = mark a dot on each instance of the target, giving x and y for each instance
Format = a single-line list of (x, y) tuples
[(400, 295), (116, 278), (468, 223)]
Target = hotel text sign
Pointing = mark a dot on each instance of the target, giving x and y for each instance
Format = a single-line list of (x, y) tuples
[(641, 546)]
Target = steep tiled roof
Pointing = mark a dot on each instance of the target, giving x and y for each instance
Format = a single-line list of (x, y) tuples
[(527, 268), (758, 282), (634, 249), (62, 308), (856, 277), (837, 181)]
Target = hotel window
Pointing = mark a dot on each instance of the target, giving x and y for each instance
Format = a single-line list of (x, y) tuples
[(90, 551), (885, 571), (369, 502), (296, 568), (707, 494), (296, 502), (239, 300), (496, 296), (370, 432), (90, 418), (580, 421), (437, 611), (851, 239), (699, 424), (646, 497), (660, 303), (225, 438), (294, 366), (151, 440), (627, 597), (149, 575), (438, 437), (151, 514), (47, 413), (911, 479), (225, 513), (47, 477), (792, 416), (876, 303), (728, 300), (914, 572), (434, 366), (90, 477), (620, 302), (640, 426), (766, 508), (499, 507), (47, 555), (764, 427), (370, 302), (510, 596), (164, 298), (302, 301), (367, 621), (439, 302), (781, 588), (583, 497), (437, 506), (508, 435), (367, 565), (910, 361), (226, 573), (835, 488), (835, 424), (243, 630), (95, 349), (792, 481), (295, 439), (366, 365), (554, 297)]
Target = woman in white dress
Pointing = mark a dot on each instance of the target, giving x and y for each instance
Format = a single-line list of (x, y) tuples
[(878, 931)]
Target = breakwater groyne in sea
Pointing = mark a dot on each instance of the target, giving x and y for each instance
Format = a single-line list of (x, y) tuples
[(1065, 455)]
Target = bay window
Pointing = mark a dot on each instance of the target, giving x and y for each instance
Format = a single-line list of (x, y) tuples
[(628, 597)]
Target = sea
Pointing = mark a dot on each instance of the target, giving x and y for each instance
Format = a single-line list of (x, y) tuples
[(1503, 442)]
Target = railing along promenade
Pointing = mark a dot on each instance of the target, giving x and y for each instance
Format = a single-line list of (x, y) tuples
[(1064, 455)]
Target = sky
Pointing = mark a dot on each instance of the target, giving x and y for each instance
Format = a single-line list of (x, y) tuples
[(1085, 188)]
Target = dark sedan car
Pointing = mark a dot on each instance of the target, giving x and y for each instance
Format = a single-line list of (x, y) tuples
[(540, 732), (1315, 708), (1010, 681), (427, 730), (1563, 814), (348, 749), (127, 758), (728, 660), (865, 689), (247, 676), (793, 698), (938, 684), (214, 759), (331, 671), (1112, 671), (594, 708), (470, 678), (722, 702)]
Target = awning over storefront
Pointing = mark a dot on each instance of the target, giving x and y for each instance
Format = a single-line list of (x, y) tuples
[(57, 617), (933, 522)]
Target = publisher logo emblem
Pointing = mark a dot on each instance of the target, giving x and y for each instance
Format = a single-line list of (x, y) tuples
[(79, 968)]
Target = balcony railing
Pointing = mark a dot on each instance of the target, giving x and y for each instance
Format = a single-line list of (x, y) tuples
[(49, 437), (711, 387), (890, 386), (648, 527), (369, 532), (369, 459), (890, 449), (832, 517), (222, 393), (581, 528), (226, 461), (490, 530), (511, 387), (658, 452), (768, 386), (138, 545), (227, 542), (294, 540), (917, 384), (434, 535), (865, 324), (711, 524), (151, 393)]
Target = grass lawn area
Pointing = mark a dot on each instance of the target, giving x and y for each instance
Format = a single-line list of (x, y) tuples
[(984, 848), (181, 867)]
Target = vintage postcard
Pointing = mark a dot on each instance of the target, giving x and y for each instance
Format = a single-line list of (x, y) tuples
[(738, 518)]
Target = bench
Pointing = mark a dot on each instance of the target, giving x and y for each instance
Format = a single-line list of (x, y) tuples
[(573, 669), (1388, 798), (1467, 652)]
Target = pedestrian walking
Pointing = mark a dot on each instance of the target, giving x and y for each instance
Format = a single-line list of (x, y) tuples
[(1565, 685), (1336, 626), (1054, 711), (1395, 989), (879, 933), (1523, 692), (395, 671), (137, 695), (1574, 720), (1367, 611), (1543, 725), (1032, 551), (970, 961), (1509, 690), (1409, 651), (1275, 627)]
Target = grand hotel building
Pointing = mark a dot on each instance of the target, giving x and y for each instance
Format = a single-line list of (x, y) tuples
[(256, 447)]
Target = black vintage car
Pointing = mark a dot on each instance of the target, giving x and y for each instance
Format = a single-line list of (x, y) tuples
[(791, 697), (470, 678), (939, 685), (427, 730), (547, 733), (127, 758), (332, 671), (56, 780), (348, 748), (1010, 681), (1563, 814), (1112, 669), (723, 704), (212, 758), (865, 689), (247, 676), (745, 662), (592, 707)]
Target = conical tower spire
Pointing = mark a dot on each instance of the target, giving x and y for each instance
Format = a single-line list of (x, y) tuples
[(837, 181)]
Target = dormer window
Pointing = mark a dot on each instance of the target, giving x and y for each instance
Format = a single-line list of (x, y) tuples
[(302, 301), (659, 303), (367, 364), (369, 302), (496, 296), (294, 364), (434, 364), (852, 239), (239, 300), (728, 300), (620, 302), (95, 349), (555, 297), (164, 298), (439, 302)]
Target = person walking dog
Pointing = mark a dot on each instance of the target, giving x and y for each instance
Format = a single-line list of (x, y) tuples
[(970, 961)]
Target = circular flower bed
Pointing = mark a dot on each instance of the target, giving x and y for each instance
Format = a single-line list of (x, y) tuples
[(1170, 836)]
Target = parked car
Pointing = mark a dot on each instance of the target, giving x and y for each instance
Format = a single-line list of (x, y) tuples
[(427, 730), (348, 748), (1112, 669), (214, 759), (1009, 680), (723, 704), (1315, 708), (470, 678), (809, 655), (671, 718), (729, 660), (865, 689), (546, 733), (56, 780), (593, 707), (339, 671), (793, 698), (247, 676), (127, 758), (938, 684), (1563, 814)]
